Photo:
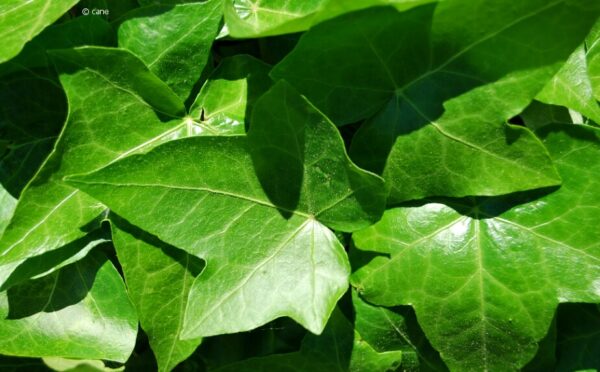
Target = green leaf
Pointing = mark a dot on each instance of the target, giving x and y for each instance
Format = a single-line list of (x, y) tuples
[(538, 114), (288, 265), (90, 30), (578, 337), (253, 18), (173, 41), (159, 278), (387, 329), (339, 348), (403, 66), (110, 95), (593, 59), (571, 87), (81, 311), (21, 20), (29, 133), (469, 150), (7, 208), (226, 99), (485, 275)]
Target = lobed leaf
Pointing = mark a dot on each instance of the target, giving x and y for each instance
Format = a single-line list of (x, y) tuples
[(288, 265), (403, 67), (486, 274), (110, 94)]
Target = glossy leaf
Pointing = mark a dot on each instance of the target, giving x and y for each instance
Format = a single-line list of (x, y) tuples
[(485, 275), (173, 41), (339, 348), (288, 265), (159, 278), (226, 99), (110, 94), (21, 20), (90, 30), (593, 59), (571, 87), (446, 62), (81, 311), (254, 18), (7, 207)]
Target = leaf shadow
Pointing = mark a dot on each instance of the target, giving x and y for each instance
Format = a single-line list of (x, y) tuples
[(192, 263), (485, 207), (278, 149), (65, 287), (46, 262)]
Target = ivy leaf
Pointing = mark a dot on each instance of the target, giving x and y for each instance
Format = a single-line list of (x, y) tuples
[(110, 94), (89, 30), (538, 114), (7, 208), (290, 265), (21, 20), (227, 97), (173, 41), (578, 337), (29, 134), (159, 278), (81, 311), (386, 329), (446, 60), (593, 58), (485, 277), (339, 348), (253, 18), (28, 82), (571, 87)]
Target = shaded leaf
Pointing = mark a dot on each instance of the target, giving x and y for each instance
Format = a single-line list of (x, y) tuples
[(339, 348), (538, 114), (81, 311), (89, 30), (34, 109), (387, 329), (14, 364), (578, 337), (110, 95), (159, 278), (356, 66)]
